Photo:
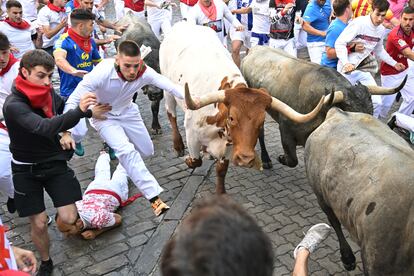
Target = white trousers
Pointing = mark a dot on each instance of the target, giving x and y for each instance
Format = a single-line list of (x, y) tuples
[(103, 181), (127, 135), (404, 121), (79, 131), (158, 25), (315, 50), (119, 9), (6, 183), (140, 15), (286, 45), (407, 94), (367, 79)]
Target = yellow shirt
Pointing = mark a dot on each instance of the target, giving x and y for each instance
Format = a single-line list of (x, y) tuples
[(362, 7)]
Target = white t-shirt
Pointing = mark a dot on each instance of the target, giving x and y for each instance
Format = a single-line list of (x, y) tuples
[(29, 9), (261, 18), (50, 18), (21, 39), (6, 82), (11, 262), (196, 16), (155, 14)]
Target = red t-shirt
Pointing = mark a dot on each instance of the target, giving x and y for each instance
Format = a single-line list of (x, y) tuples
[(137, 6), (396, 43)]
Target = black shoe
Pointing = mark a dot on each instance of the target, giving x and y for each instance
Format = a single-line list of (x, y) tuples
[(391, 122), (10, 205), (46, 268)]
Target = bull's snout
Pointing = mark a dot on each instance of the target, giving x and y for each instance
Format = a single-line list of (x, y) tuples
[(244, 159)]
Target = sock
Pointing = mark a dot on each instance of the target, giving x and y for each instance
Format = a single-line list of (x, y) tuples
[(152, 200)]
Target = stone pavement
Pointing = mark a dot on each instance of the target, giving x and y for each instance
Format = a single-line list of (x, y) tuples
[(279, 199)]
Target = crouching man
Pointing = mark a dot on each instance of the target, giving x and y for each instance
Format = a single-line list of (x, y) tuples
[(100, 201)]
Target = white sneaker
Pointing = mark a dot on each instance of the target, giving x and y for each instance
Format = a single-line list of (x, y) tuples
[(313, 237)]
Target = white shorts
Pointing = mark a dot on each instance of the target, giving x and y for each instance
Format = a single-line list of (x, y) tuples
[(241, 36)]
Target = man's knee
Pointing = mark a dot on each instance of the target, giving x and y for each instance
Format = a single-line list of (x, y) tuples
[(39, 223), (68, 217)]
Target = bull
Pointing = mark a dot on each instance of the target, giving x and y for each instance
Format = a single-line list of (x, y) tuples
[(224, 111), (140, 32), (301, 84), (363, 176)]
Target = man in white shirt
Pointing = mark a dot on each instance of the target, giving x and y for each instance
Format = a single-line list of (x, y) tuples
[(9, 68), (261, 22), (115, 82), (240, 8), (30, 9), (211, 13), (159, 16), (369, 31), (22, 35), (53, 19)]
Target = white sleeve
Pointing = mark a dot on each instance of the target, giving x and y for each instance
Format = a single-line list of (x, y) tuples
[(164, 83), (230, 17), (383, 55), (347, 35), (192, 16), (89, 83)]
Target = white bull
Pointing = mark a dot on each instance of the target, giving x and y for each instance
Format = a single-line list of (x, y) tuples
[(194, 55)]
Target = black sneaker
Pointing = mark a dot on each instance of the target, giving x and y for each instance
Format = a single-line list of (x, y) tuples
[(46, 268), (10, 205), (391, 122)]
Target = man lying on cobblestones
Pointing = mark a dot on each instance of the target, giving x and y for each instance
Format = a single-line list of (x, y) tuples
[(115, 81), (100, 201), (33, 115)]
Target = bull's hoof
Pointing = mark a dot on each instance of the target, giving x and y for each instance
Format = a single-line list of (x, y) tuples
[(283, 160), (156, 131), (193, 163), (267, 165), (349, 262)]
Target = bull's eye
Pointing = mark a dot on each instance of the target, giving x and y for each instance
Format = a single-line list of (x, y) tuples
[(231, 118)]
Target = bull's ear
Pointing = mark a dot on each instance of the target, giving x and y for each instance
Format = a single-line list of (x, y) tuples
[(220, 118), (225, 84)]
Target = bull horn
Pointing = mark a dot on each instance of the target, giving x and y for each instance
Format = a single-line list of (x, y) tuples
[(379, 90), (334, 97), (293, 115), (215, 97)]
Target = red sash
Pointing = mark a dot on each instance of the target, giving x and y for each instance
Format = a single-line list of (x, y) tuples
[(107, 192), (55, 8), (137, 6)]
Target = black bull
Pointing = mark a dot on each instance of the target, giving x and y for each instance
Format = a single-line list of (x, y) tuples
[(301, 84), (140, 32)]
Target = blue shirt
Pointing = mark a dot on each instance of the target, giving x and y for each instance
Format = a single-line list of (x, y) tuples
[(318, 18), (334, 30), (78, 59)]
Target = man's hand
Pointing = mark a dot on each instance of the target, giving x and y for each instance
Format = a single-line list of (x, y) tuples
[(79, 73), (14, 50), (287, 7), (100, 109), (399, 66), (121, 28), (359, 47), (67, 141), (240, 28), (64, 22), (348, 68), (25, 259), (87, 100)]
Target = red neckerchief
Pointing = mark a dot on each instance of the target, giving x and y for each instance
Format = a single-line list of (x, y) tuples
[(137, 6), (55, 8), (83, 42), (39, 95), (12, 61), (21, 26), (76, 4), (141, 69), (210, 12)]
